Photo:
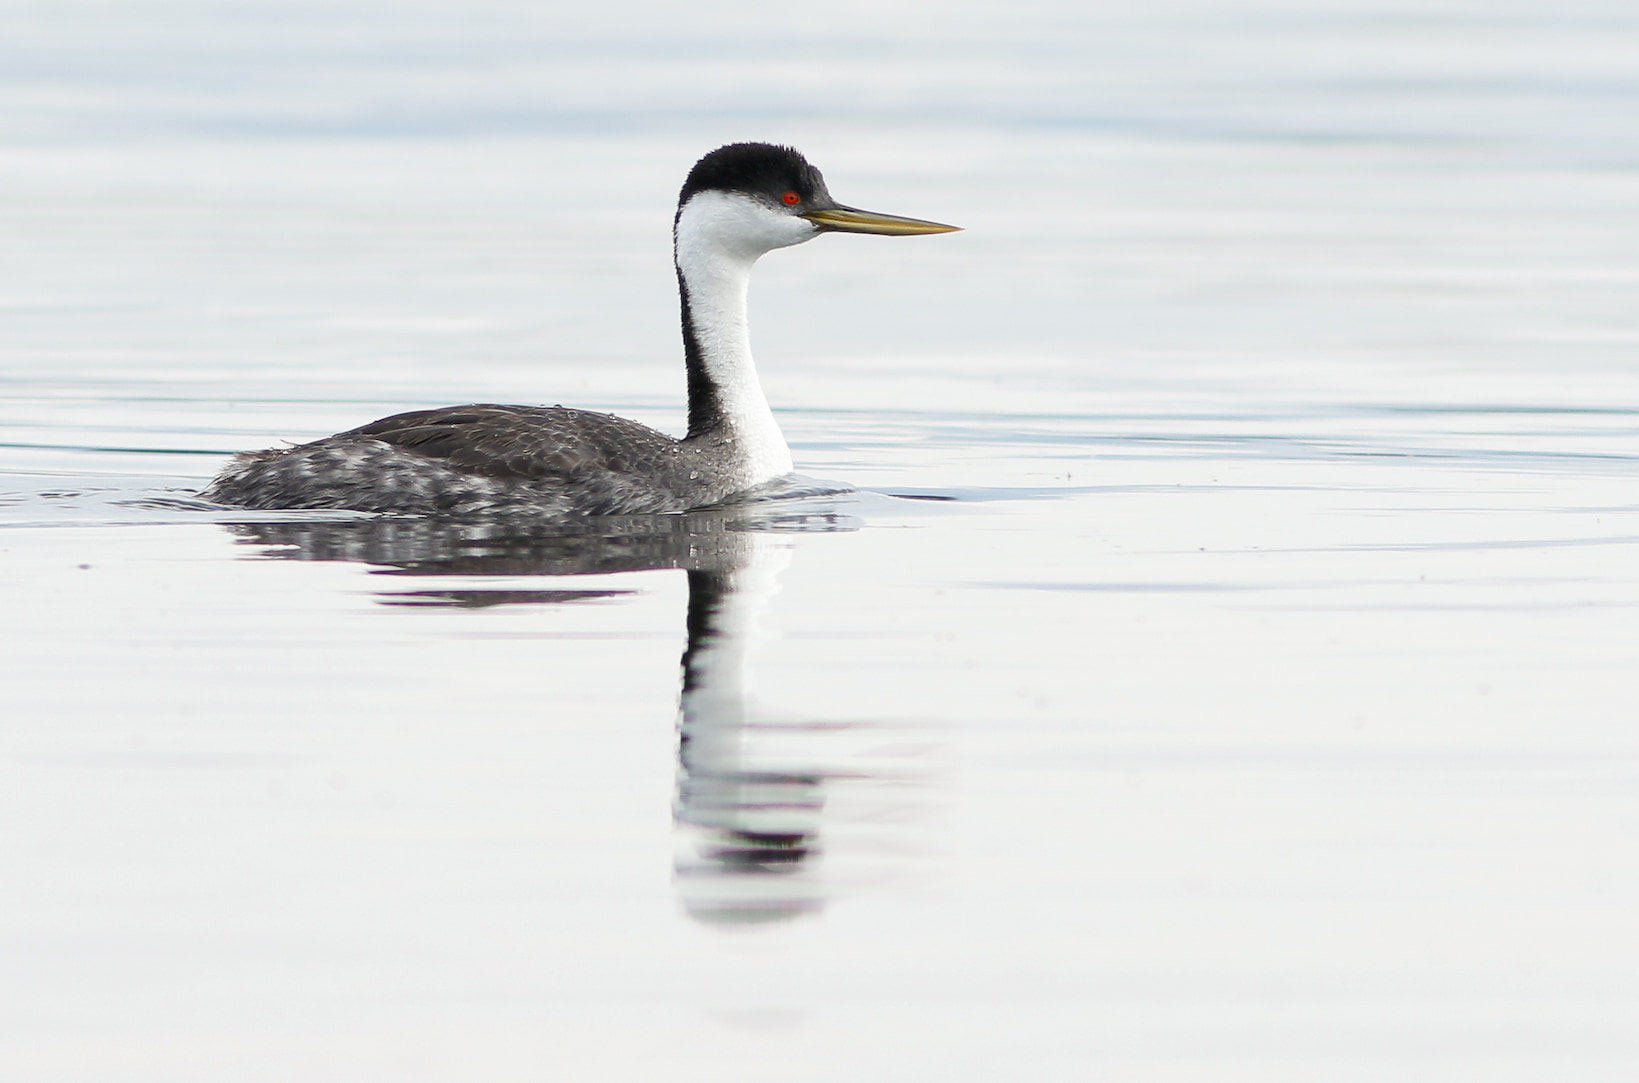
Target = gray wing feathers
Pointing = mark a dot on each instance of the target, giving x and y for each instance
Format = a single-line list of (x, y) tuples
[(520, 441)]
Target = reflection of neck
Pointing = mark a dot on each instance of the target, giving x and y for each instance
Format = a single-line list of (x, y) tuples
[(718, 788), (723, 609), (714, 661), (725, 396)]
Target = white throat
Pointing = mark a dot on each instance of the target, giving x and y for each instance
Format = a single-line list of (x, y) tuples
[(719, 237)]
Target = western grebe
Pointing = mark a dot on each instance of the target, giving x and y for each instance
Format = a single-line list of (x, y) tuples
[(739, 202)]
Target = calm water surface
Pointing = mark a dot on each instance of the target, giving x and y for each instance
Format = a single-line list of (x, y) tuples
[(1223, 665)]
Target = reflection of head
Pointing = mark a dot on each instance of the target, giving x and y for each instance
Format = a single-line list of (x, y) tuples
[(728, 878)]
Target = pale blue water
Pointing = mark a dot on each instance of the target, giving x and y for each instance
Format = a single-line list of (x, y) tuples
[(1247, 693)]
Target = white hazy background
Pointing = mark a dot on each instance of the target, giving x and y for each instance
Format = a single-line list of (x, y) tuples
[(1263, 709)]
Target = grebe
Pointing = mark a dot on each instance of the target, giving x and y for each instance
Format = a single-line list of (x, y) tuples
[(739, 202)]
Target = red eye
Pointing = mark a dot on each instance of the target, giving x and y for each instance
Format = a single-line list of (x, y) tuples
[(791, 199)]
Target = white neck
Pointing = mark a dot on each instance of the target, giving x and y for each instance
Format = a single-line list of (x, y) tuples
[(719, 237)]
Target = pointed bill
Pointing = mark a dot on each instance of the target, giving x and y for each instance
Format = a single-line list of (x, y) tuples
[(851, 220)]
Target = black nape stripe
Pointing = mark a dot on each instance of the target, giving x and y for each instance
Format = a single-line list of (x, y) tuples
[(705, 398)]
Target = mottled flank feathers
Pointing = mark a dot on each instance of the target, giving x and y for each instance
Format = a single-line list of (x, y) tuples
[(487, 459)]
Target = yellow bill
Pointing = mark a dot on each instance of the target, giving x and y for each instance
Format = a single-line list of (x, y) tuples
[(851, 220)]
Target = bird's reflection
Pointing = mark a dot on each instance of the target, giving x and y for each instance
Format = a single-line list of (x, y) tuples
[(746, 835)]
